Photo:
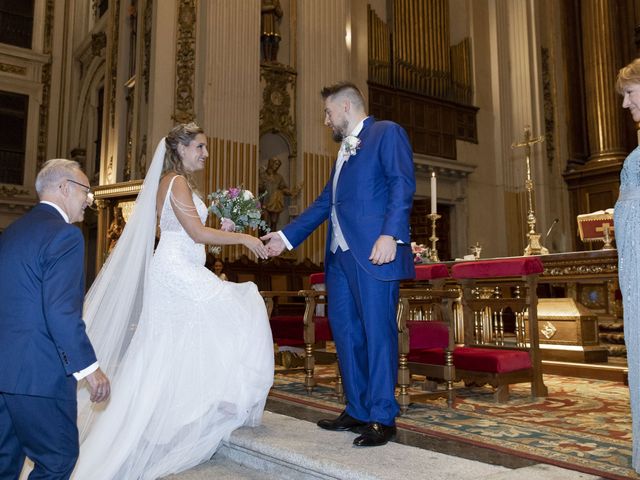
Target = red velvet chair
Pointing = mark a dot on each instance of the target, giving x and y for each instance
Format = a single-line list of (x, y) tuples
[(424, 324), (492, 291)]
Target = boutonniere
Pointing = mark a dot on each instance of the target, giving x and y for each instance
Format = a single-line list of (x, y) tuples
[(351, 144)]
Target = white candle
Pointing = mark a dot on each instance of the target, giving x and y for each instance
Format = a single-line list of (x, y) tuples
[(434, 194)]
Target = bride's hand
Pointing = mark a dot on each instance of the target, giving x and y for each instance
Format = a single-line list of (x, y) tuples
[(255, 245), (227, 225)]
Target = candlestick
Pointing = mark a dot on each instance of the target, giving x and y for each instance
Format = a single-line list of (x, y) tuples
[(434, 239), (434, 194)]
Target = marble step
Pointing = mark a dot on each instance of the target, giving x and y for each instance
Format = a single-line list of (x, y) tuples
[(287, 448)]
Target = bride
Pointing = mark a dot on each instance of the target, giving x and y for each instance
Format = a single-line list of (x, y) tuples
[(191, 356)]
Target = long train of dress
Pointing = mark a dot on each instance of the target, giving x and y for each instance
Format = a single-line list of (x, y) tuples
[(199, 366)]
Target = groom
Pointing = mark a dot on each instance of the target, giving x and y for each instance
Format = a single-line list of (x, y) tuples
[(368, 201), (44, 349)]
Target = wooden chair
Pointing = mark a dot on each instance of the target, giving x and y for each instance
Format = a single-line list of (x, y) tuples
[(317, 330), (489, 354), (425, 323)]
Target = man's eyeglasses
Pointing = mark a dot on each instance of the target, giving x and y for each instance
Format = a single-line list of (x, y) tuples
[(88, 191)]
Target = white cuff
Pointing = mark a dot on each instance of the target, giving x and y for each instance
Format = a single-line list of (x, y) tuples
[(285, 240), (86, 371)]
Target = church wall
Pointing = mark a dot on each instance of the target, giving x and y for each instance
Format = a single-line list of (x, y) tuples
[(483, 219), (323, 59)]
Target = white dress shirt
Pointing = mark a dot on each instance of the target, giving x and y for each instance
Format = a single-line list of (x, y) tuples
[(337, 238)]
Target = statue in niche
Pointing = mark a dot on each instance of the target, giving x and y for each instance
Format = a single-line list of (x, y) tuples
[(271, 14), (274, 188), (115, 229)]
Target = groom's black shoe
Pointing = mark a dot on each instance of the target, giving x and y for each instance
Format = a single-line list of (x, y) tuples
[(375, 434), (343, 422)]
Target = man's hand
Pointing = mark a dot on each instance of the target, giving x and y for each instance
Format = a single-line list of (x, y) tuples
[(384, 250), (99, 386), (275, 245)]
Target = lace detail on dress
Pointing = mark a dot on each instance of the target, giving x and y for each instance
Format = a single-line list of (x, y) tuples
[(168, 220), (174, 240)]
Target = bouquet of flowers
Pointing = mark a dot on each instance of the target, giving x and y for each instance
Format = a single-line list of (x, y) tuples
[(421, 254), (239, 206)]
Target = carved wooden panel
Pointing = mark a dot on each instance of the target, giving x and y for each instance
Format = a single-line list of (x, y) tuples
[(432, 125)]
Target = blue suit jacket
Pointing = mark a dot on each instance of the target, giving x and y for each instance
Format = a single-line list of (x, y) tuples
[(374, 197), (42, 334)]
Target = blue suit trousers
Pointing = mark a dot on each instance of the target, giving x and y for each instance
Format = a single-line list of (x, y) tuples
[(44, 429), (362, 314)]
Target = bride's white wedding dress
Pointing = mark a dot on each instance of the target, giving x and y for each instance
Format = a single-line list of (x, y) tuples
[(199, 365)]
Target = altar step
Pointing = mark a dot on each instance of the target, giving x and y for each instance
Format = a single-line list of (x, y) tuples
[(287, 448)]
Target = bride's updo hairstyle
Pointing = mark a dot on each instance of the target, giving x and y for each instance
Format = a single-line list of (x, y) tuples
[(182, 133)]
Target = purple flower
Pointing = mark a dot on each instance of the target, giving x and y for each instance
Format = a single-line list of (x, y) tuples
[(234, 192)]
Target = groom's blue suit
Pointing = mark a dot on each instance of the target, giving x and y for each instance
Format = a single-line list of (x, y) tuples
[(42, 343), (373, 197)]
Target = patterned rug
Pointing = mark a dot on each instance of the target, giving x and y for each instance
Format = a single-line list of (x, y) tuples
[(582, 425)]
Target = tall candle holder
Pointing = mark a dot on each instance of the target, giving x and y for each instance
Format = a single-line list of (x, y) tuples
[(534, 246), (433, 256)]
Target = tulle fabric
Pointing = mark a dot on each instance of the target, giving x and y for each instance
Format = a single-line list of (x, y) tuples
[(199, 365)]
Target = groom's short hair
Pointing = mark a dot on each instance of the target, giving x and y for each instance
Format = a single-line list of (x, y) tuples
[(348, 89)]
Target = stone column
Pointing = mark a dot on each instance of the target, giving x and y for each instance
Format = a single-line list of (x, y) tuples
[(601, 59)]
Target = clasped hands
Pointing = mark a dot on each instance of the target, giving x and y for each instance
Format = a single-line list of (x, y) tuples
[(383, 251)]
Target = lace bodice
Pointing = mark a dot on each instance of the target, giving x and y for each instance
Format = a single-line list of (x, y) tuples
[(175, 243)]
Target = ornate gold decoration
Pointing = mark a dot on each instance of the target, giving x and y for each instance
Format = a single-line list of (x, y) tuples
[(142, 158), (43, 122), (534, 247), (95, 7), (98, 43), (185, 61), (433, 256), (9, 68), (148, 29), (581, 269), (12, 191), (115, 31), (277, 113)]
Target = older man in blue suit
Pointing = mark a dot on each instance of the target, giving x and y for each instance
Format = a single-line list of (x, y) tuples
[(368, 201), (44, 349)]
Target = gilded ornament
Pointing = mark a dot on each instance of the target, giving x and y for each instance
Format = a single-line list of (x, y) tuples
[(12, 191), (185, 62), (8, 68), (43, 122)]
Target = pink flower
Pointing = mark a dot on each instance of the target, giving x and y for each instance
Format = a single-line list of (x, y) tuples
[(234, 192)]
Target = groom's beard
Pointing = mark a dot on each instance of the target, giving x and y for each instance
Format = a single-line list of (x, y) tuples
[(339, 131)]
